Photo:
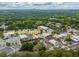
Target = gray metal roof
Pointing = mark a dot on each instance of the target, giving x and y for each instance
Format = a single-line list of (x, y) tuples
[(7, 50)]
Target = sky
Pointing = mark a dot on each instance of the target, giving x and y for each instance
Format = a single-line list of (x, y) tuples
[(39, 0), (39, 5)]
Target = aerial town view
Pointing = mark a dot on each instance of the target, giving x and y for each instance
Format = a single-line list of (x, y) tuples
[(46, 29)]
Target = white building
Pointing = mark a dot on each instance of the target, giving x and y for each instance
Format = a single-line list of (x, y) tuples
[(10, 45), (23, 36), (13, 41), (75, 38), (8, 34), (2, 43), (26, 37), (45, 29), (62, 34), (54, 42)]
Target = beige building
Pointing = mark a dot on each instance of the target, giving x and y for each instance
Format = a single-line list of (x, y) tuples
[(28, 31)]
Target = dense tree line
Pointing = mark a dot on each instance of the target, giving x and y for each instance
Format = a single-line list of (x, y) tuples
[(23, 19)]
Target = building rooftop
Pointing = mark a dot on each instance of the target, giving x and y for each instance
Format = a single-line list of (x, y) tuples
[(7, 50)]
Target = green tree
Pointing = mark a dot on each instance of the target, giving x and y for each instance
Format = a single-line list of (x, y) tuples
[(39, 46), (1, 34), (8, 44), (3, 54), (57, 52), (68, 38), (27, 46)]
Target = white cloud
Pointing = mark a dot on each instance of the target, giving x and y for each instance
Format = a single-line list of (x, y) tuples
[(59, 2), (39, 0)]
